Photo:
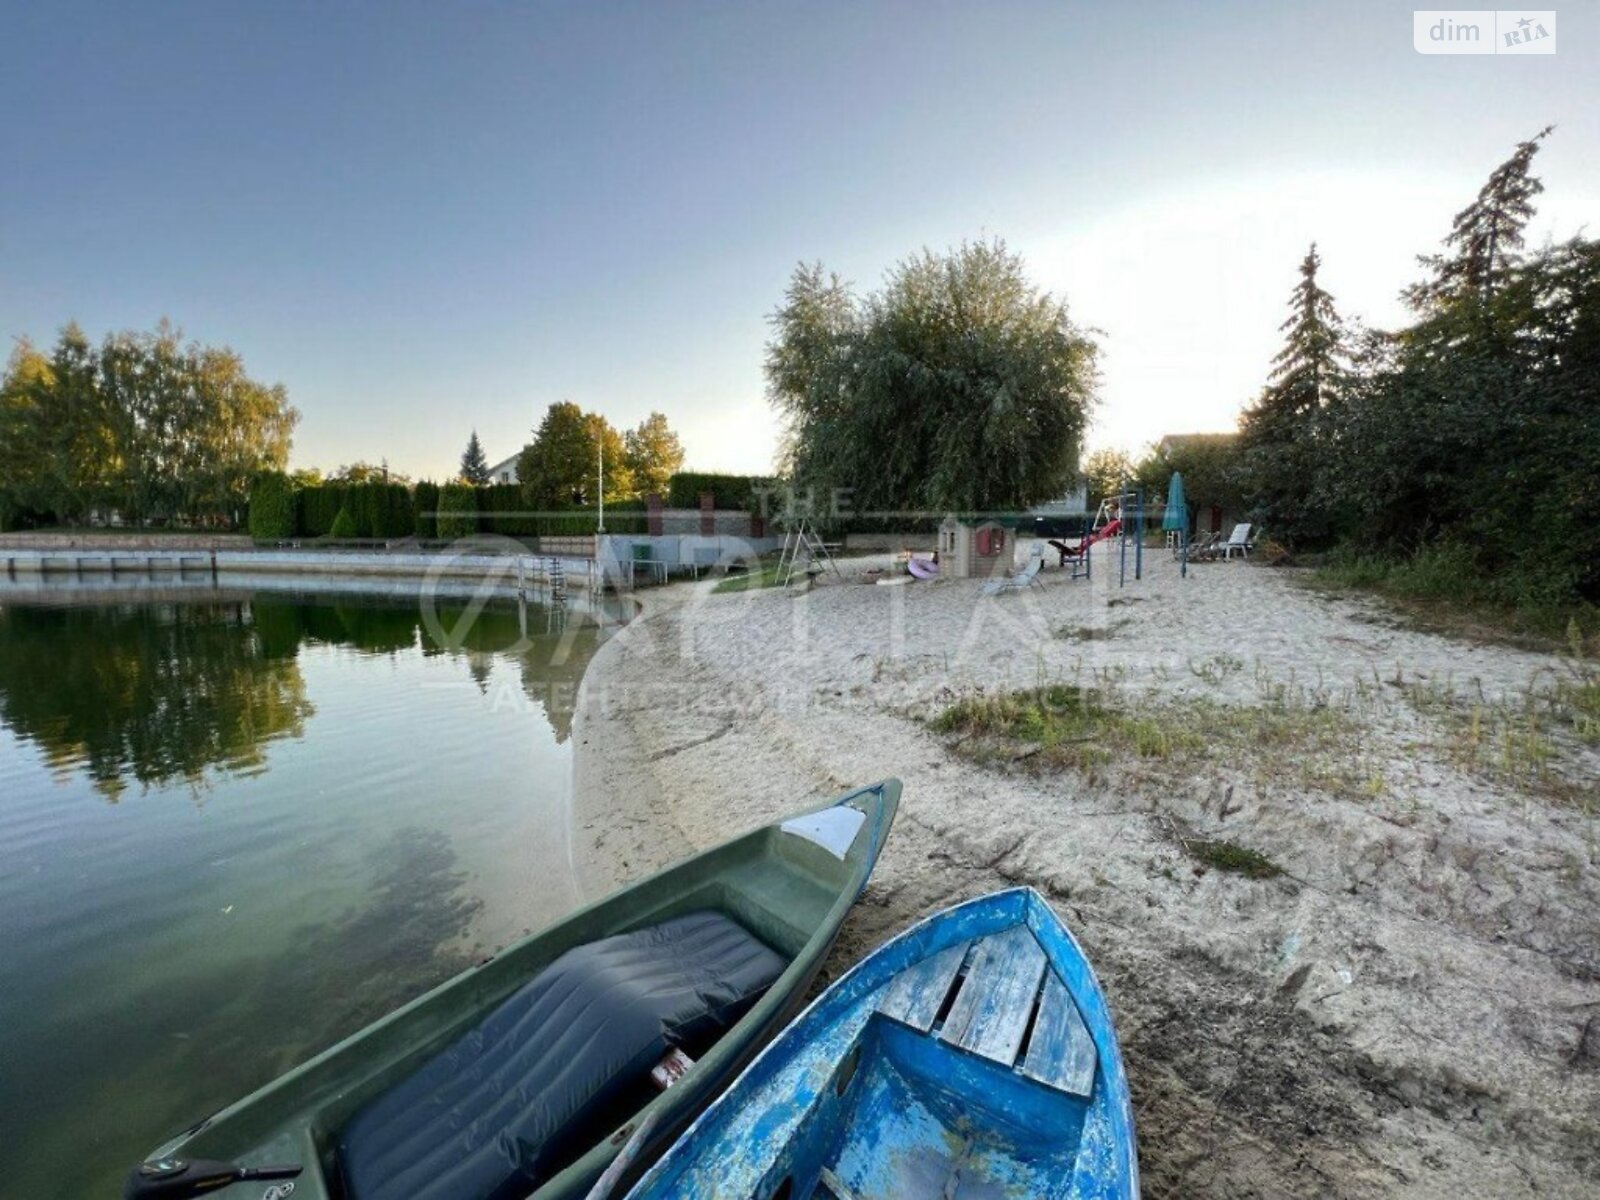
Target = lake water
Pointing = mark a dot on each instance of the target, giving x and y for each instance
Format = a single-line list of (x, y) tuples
[(237, 824)]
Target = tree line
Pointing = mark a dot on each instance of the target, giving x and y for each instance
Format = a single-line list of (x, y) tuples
[(571, 448), (1470, 438), (574, 452), (144, 425)]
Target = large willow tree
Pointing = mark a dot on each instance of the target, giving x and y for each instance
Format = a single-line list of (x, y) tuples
[(958, 386)]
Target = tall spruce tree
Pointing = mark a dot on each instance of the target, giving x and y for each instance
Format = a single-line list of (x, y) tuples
[(1472, 433), (474, 463), (1485, 237), (1284, 435)]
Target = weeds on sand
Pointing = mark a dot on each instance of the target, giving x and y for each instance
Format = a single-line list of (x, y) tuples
[(1216, 669), (1092, 633), (1577, 693), (1439, 590), (1516, 740), (1083, 727), (1229, 856)]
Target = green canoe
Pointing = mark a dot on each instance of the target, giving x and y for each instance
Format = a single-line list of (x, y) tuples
[(526, 1075)]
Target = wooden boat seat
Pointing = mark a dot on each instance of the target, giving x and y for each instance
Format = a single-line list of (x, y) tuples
[(992, 994), (498, 1111)]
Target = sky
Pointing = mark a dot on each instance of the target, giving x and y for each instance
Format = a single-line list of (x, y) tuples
[(424, 218)]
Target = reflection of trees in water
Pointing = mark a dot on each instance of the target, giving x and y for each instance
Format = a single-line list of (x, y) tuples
[(159, 693), (153, 693), (551, 656), (552, 671)]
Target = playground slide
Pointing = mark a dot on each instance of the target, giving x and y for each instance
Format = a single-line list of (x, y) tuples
[(1109, 530)]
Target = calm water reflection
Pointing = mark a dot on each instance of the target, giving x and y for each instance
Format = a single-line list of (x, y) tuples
[(235, 826)]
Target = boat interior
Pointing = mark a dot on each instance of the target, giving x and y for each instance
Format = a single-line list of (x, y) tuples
[(493, 1084), (972, 1078)]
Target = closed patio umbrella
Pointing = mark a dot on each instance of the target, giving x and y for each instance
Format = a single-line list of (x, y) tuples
[(1176, 519), (1177, 515)]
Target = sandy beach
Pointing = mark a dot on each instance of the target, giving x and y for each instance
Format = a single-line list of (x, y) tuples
[(1408, 1005)]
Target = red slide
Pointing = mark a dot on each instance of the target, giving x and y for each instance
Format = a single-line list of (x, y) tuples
[(1109, 530)]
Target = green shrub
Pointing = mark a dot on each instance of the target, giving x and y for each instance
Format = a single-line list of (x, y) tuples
[(387, 509), (272, 507), (343, 526), (318, 506), (424, 509), (503, 509), (376, 509), (458, 511)]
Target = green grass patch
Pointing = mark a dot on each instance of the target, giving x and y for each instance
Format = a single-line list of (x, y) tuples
[(1228, 856), (749, 581), (1580, 699), (1068, 726), (1442, 590)]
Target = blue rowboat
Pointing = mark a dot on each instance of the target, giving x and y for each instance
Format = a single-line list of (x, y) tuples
[(971, 1058)]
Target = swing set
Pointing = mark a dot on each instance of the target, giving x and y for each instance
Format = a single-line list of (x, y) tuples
[(1120, 516)]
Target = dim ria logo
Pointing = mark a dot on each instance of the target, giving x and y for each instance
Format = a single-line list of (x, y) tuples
[(1483, 31)]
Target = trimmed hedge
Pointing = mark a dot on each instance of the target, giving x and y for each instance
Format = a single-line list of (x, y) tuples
[(272, 507), (503, 509), (732, 491), (424, 507), (383, 510), (380, 510), (458, 511), (377, 510)]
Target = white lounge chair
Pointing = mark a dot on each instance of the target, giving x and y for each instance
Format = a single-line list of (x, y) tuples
[(1027, 574), (1238, 540)]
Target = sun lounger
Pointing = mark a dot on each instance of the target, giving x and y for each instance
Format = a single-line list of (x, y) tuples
[(1238, 540), (1015, 582)]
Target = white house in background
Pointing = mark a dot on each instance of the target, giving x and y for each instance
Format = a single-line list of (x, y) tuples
[(505, 472)]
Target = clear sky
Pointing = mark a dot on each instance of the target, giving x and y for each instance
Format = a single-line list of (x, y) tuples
[(426, 217)]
